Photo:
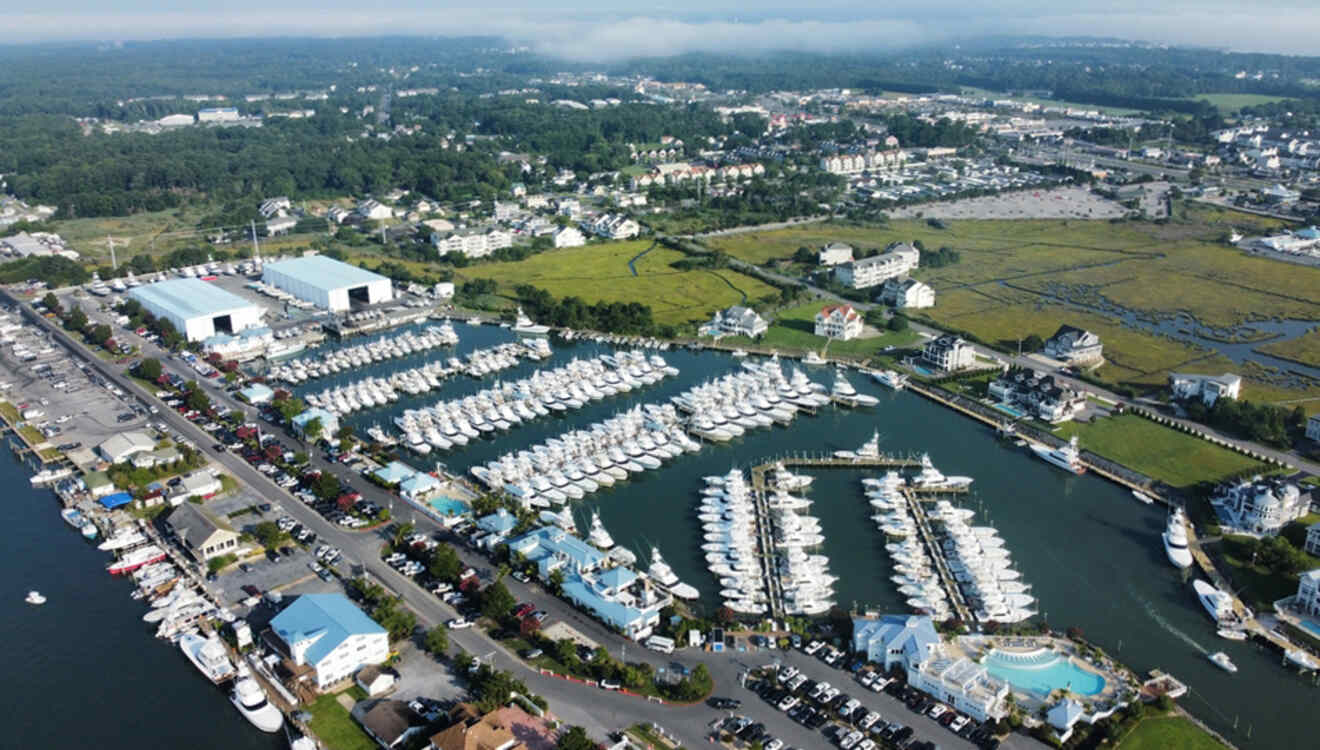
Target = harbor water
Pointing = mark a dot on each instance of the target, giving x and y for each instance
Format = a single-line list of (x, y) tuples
[(84, 670), (1090, 551)]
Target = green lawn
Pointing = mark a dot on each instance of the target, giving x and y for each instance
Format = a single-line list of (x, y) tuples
[(599, 273), (335, 728), (1169, 733), (1155, 450), (1230, 103), (792, 330), (10, 413), (1260, 586)]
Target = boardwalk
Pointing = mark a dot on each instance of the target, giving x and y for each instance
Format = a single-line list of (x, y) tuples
[(947, 581)]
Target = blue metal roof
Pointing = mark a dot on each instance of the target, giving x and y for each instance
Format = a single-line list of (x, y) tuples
[(910, 635), (329, 618), (551, 541), (418, 482), (323, 272), (616, 578), (499, 522), (614, 613), (315, 412), (188, 298), (110, 502), (394, 472), (257, 393)]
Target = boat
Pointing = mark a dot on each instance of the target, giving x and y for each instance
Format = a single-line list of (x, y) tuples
[(890, 379), (525, 325), (136, 559), (303, 743), (1221, 660), (1232, 634), (1142, 497), (89, 530), (1066, 457), (1217, 602), (73, 517), (35, 597), (123, 539), (1175, 541), (251, 701), (1302, 659), (813, 358), (208, 655), (598, 536), (662, 574)]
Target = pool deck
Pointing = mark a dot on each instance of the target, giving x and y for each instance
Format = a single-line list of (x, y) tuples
[(977, 647)]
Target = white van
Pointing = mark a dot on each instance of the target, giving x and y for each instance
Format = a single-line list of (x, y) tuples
[(660, 643)]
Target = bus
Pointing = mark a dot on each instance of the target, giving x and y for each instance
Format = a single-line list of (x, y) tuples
[(661, 644)]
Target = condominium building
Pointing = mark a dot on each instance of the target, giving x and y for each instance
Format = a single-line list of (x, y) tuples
[(836, 253), (897, 260)]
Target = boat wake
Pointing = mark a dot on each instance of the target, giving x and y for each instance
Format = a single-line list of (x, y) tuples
[(1163, 623)]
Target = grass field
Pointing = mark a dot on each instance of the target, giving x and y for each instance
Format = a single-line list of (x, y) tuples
[(1169, 733), (1159, 452), (600, 273), (793, 330), (333, 725), (1304, 349), (1229, 103), (1260, 587)]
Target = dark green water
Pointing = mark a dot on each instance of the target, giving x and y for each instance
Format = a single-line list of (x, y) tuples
[(1091, 552), (83, 670)]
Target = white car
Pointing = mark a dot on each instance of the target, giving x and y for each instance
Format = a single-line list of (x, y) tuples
[(957, 724), (459, 623), (869, 720)]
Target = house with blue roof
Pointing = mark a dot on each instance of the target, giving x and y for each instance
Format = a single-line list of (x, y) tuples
[(551, 548), (419, 487), (329, 422), (257, 394), (394, 472), (895, 639), (607, 596), (327, 638)]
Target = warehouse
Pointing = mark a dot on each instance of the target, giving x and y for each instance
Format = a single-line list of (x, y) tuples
[(197, 309), (328, 283)]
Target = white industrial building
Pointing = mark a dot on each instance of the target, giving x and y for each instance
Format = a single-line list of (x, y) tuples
[(328, 283), (197, 309)]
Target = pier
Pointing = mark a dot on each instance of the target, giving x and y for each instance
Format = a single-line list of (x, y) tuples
[(765, 542), (960, 608)]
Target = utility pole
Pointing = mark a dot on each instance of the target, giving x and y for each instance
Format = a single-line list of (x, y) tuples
[(109, 241)]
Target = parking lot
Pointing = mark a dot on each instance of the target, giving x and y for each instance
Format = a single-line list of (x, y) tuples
[(1056, 203)]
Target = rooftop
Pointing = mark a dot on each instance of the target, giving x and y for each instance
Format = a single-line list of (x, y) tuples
[(327, 618), (188, 298), (324, 272)]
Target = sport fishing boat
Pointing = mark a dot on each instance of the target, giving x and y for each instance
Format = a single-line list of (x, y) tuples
[(250, 700), (662, 574), (890, 379), (1221, 660), (1066, 457), (136, 559), (208, 655), (525, 325), (1175, 541), (1217, 602), (598, 536), (34, 597)]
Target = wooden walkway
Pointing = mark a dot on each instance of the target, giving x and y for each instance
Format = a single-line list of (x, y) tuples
[(947, 581)]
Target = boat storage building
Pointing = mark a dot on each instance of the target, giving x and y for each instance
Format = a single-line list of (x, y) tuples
[(197, 309), (327, 283)]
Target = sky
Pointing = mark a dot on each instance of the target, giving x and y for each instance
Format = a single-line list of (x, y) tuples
[(596, 30)]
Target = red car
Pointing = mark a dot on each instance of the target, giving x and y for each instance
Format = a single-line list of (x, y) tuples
[(523, 610)]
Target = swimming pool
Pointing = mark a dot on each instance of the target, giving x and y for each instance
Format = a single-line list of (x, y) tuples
[(1312, 626), (1042, 672), (448, 506), (1010, 411), (923, 371)]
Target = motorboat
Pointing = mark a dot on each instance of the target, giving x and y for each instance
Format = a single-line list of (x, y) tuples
[(123, 540), (208, 655), (1221, 660), (1302, 659), (1175, 541), (135, 559), (1232, 634), (598, 536), (930, 478), (890, 379), (1217, 602), (35, 597), (1143, 498), (869, 450), (250, 700), (813, 357), (1067, 457), (525, 325)]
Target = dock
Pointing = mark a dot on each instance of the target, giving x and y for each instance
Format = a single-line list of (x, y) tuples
[(765, 542), (947, 582)]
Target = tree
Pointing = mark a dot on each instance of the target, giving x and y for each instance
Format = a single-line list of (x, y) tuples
[(150, 369), (289, 407), (1033, 343), (401, 534), (76, 320), (197, 398), (496, 601), (898, 323), (51, 302), (556, 581), (312, 429), (437, 640), (575, 739), (269, 534), (445, 564)]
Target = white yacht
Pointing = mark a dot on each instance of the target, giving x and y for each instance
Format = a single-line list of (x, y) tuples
[(844, 391), (1067, 457), (1217, 602), (1175, 541), (1222, 661), (34, 597), (813, 358), (890, 379), (598, 536), (208, 655), (526, 325), (251, 701), (870, 449), (1143, 498), (930, 478)]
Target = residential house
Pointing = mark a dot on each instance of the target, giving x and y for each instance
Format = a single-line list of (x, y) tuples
[(569, 207), (905, 293), (338, 214), (1312, 545), (280, 225), (472, 730), (615, 227), (201, 483), (327, 639), (737, 321), (389, 722), (329, 422), (373, 210), (1313, 428), (272, 207), (1208, 388), (836, 253), (1260, 505), (948, 353), (1074, 346), (897, 260), (374, 680), (124, 446), (895, 640), (1037, 394), (505, 211), (839, 322), (569, 237), (1308, 593), (202, 535)]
